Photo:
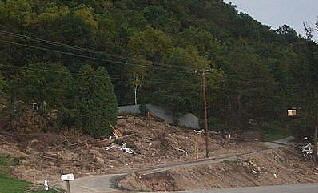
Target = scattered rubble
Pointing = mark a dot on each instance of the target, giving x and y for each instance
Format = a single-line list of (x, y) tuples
[(140, 143), (269, 167)]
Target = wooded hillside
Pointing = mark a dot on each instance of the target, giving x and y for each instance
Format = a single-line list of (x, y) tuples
[(50, 50)]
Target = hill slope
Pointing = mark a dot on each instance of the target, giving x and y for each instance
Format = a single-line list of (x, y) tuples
[(152, 49)]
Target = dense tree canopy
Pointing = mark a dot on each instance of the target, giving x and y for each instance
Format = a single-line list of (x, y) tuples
[(151, 50)]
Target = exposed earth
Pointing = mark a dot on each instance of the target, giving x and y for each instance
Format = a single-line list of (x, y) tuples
[(238, 161), (47, 156), (269, 167)]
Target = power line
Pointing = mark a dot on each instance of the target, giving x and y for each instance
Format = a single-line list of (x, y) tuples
[(167, 66), (61, 52), (146, 81), (24, 37)]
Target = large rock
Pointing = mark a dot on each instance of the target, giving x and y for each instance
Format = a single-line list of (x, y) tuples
[(160, 113), (189, 120), (130, 109)]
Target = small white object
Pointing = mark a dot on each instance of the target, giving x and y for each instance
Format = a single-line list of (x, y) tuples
[(275, 175), (67, 177), (307, 149), (292, 113), (116, 136), (126, 149), (46, 185), (199, 132), (110, 147)]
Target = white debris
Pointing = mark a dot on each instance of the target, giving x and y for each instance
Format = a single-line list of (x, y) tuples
[(182, 151), (126, 149), (113, 145), (116, 136), (46, 185), (307, 149), (199, 132), (275, 175), (121, 148)]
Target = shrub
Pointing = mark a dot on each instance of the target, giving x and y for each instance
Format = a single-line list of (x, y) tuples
[(96, 102)]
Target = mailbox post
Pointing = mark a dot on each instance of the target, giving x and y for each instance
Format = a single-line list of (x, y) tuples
[(67, 178), (195, 145)]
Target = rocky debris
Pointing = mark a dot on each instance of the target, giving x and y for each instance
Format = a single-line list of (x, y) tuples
[(48, 155), (160, 181), (269, 167)]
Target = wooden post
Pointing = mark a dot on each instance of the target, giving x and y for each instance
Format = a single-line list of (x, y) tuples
[(205, 116), (196, 147), (68, 186), (315, 156), (67, 178)]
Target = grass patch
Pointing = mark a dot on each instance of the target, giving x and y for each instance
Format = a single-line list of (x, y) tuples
[(274, 131), (11, 185)]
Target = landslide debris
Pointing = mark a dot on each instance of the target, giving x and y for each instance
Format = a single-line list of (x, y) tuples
[(269, 167), (48, 155)]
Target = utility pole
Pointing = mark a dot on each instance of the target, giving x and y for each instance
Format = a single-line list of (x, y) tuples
[(315, 156), (315, 143), (203, 72)]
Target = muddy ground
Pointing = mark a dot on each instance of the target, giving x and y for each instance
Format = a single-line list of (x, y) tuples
[(47, 156), (270, 167)]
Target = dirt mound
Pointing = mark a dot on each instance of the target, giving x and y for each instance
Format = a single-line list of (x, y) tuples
[(160, 181), (270, 167), (48, 155)]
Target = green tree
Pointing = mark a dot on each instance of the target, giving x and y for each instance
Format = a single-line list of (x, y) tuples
[(137, 74), (181, 92), (43, 83), (96, 101), (153, 44)]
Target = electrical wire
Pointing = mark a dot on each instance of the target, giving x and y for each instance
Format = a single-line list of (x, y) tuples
[(78, 48)]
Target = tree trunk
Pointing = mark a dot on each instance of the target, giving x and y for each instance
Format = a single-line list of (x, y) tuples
[(239, 110), (135, 92)]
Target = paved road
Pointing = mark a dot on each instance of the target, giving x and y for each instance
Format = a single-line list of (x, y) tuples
[(279, 143), (93, 184), (297, 188)]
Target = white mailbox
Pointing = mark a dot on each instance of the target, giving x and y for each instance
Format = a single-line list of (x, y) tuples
[(67, 177)]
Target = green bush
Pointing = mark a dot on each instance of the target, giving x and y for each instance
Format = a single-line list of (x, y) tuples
[(275, 130), (96, 101)]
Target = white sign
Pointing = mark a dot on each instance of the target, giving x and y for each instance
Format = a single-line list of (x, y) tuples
[(67, 177), (292, 113)]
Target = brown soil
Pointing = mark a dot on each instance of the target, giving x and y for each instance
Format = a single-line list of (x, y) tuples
[(47, 156), (257, 169)]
